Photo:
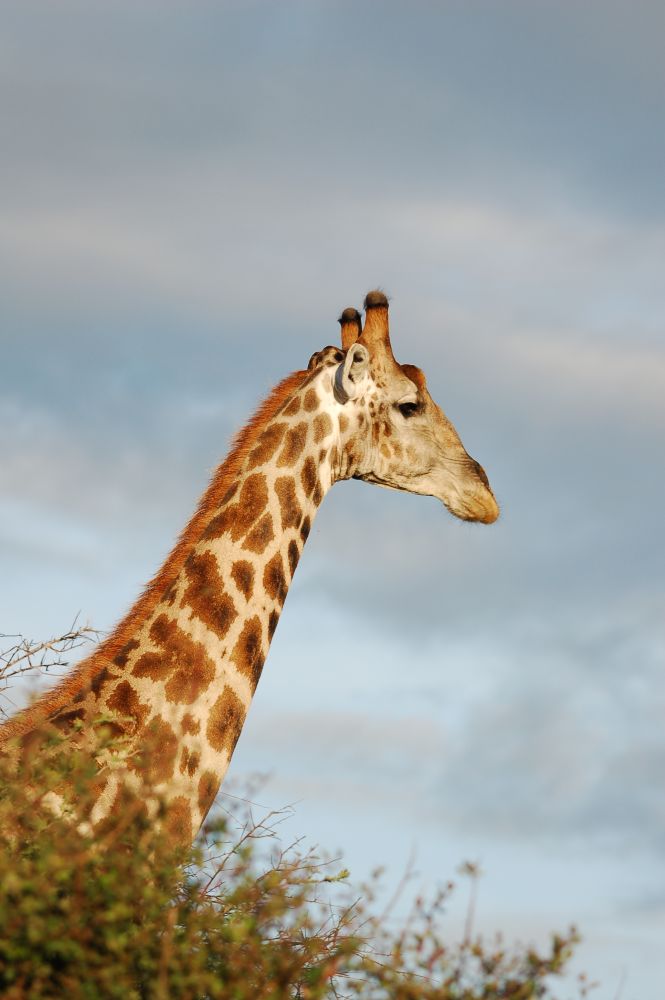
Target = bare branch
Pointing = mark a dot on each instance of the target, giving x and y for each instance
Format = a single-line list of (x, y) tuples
[(25, 656)]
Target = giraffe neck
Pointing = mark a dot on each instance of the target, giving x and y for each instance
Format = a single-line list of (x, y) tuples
[(183, 679)]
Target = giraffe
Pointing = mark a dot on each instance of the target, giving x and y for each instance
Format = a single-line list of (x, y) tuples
[(179, 672)]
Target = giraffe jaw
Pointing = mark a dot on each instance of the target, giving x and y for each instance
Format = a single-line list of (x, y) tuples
[(476, 505)]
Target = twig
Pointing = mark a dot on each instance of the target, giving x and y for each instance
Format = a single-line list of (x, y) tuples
[(25, 655)]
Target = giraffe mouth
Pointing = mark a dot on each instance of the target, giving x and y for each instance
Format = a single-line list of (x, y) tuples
[(478, 507), (465, 491)]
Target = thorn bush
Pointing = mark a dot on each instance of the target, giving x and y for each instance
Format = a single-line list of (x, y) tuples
[(120, 911)]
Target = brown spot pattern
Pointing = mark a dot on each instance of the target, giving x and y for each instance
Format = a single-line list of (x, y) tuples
[(183, 661), (243, 577), (225, 722), (206, 595), (267, 444), (248, 651), (272, 624), (237, 518), (305, 529), (274, 580), (122, 657), (260, 536), (189, 724), (294, 555), (292, 407), (311, 400), (208, 786), (101, 678), (126, 703), (186, 685), (230, 493), (343, 422), (189, 762), (294, 442), (161, 751), (285, 488), (322, 427), (178, 822), (308, 476)]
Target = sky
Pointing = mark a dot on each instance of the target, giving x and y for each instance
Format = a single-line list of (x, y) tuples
[(190, 195)]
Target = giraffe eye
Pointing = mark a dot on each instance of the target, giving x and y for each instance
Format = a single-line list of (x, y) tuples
[(407, 409)]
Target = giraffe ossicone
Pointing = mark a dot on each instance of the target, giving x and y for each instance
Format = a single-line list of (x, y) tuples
[(177, 675)]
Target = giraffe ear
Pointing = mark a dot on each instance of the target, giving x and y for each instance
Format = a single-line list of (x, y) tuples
[(349, 374)]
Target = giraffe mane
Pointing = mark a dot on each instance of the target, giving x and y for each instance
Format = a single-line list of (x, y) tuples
[(79, 679)]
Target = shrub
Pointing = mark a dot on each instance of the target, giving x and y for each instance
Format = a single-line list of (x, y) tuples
[(120, 912)]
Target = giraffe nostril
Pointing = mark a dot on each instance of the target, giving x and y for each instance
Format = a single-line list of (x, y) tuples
[(480, 472)]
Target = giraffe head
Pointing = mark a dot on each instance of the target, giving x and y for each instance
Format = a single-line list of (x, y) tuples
[(394, 434)]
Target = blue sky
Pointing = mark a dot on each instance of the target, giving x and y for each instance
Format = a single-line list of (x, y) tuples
[(190, 195)]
